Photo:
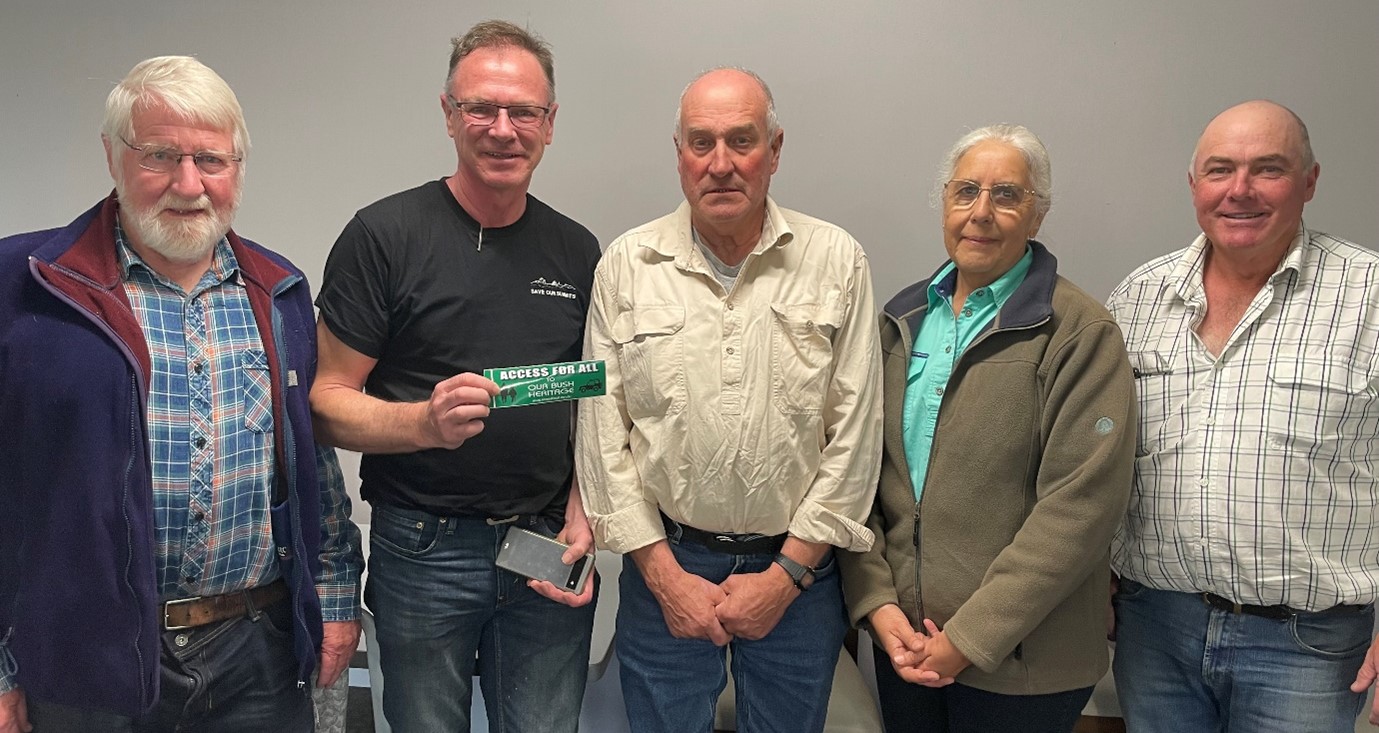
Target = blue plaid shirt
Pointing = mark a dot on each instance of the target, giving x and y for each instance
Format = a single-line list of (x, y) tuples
[(210, 427)]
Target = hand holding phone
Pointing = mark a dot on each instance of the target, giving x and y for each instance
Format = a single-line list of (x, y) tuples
[(538, 557)]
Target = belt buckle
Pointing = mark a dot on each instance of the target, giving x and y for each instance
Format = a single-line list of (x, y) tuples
[(178, 601)]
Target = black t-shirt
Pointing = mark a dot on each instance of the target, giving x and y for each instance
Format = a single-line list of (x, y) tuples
[(409, 283)]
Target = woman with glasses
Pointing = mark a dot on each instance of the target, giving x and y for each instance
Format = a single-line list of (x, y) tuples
[(1009, 447)]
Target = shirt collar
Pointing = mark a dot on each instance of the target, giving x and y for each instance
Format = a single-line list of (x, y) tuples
[(941, 287), (1187, 274), (775, 232)]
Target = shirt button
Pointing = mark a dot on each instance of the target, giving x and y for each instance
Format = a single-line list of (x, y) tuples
[(189, 579), (200, 442), (948, 349), (1203, 483), (198, 515), (979, 292), (730, 349), (966, 312), (938, 391), (196, 368)]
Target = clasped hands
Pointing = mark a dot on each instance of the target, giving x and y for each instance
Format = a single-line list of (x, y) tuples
[(746, 605), (924, 658)]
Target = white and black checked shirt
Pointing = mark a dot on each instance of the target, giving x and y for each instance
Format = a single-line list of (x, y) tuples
[(1255, 471)]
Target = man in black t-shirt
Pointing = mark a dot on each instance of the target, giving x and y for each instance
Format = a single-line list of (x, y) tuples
[(423, 291)]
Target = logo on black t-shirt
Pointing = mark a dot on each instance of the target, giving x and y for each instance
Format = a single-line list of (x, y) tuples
[(555, 288)]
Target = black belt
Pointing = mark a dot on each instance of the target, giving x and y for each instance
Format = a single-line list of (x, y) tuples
[(525, 521), (1277, 613), (724, 542)]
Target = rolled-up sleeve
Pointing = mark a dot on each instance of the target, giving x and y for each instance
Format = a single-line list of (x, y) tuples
[(839, 500), (621, 515)]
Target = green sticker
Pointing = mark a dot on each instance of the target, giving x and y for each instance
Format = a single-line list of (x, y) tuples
[(539, 383)]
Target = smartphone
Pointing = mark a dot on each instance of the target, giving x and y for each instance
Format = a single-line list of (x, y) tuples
[(538, 557)]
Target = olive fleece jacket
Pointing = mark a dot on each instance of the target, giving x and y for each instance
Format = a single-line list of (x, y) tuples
[(1029, 475)]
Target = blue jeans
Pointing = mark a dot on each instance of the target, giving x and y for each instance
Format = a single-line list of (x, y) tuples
[(782, 681), (957, 708), (437, 599), (1182, 665), (226, 677)]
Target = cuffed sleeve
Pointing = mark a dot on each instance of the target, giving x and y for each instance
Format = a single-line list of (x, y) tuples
[(840, 498), (621, 515), (9, 669), (342, 559), (867, 583)]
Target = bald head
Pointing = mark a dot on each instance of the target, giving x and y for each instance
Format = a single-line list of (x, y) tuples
[(727, 82), (1251, 175), (1253, 121)]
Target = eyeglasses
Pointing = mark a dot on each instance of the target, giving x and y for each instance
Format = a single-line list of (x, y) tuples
[(483, 114), (962, 194), (166, 160)]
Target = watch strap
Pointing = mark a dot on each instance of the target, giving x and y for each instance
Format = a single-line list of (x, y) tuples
[(796, 571)]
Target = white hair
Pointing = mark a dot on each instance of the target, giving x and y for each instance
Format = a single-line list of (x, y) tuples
[(1016, 136), (185, 86)]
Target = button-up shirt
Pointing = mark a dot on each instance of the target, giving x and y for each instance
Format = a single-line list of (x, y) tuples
[(210, 428), (942, 338), (755, 410), (1255, 476)]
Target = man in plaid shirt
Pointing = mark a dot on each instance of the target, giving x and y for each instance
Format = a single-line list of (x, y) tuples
[(1249, 558), (175, 549)]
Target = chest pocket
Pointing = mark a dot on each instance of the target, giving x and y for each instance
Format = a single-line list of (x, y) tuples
[(1314, 404), (652, 355), (1161, 423), (257, 389), (802, 355)]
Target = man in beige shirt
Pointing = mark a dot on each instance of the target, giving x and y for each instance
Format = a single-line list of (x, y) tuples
[(739, 441)]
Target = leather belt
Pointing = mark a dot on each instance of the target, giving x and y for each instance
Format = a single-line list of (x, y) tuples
[(189, 613), (1277, 613), (724, 542)]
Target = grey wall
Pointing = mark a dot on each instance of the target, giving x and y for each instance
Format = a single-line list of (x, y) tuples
[(341, 100)]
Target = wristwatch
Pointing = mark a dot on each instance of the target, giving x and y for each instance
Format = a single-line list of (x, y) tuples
[(802, 575)]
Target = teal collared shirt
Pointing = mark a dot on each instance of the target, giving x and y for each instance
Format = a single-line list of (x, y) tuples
[(941, 339)]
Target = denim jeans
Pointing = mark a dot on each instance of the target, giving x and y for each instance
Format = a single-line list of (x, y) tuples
[(437, 599), (782, 681), (957, 708), (227, 677), (1183, 666)]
